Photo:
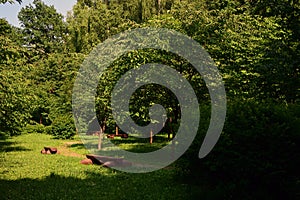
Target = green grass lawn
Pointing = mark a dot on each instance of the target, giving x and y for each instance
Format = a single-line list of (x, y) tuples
[(25, 173)]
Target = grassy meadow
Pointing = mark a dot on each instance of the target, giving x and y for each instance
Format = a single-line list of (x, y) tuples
[(25, 173)]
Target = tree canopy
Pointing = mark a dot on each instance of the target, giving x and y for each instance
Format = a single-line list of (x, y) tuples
[(43, 28), (10, 1)]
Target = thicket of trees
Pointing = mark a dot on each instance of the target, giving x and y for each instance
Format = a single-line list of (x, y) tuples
[(255, 44)]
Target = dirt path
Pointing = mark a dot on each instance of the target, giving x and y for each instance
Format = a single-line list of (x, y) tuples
[(65, 150)]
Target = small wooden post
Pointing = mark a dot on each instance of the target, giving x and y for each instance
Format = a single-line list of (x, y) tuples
[(117, 130)]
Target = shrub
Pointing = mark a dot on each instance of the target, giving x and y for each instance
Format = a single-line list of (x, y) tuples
[(34, 128), (63, 127), (257, 155)]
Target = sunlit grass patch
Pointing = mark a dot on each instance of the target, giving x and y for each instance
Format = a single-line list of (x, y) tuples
[(25, 173)]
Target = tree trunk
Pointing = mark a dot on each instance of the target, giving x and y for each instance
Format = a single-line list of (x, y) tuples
[(140, 11), (100, 139), (170, 129), (151, 136), (173, 147), (158, 7), (102, 130)]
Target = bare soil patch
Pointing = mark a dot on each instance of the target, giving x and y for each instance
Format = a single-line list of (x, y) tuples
[(65, 150)]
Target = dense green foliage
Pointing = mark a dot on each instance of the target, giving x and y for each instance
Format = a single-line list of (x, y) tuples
[(255, 45), (257, 156), (15, 101)]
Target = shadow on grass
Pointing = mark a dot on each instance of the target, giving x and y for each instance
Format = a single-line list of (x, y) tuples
[(78, 146), (6, 146), (95, 186), (132, 140), (3, 136)]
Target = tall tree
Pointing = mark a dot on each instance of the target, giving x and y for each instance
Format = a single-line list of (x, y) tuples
[(285, 62), (92, 22), (279, 63), (250, 50), (142, 10), (10, 1), (44, 29), (15, 101)]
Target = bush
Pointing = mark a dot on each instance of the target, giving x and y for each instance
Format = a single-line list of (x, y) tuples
[(257, 156), (63, 127), (34, 128)]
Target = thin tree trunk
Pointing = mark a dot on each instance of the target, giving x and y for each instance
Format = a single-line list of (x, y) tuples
[(41, 119), (140, 11), (100, 139), (102, 130), (170, 129), (173, 148), (151, 136), (158, 7)]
